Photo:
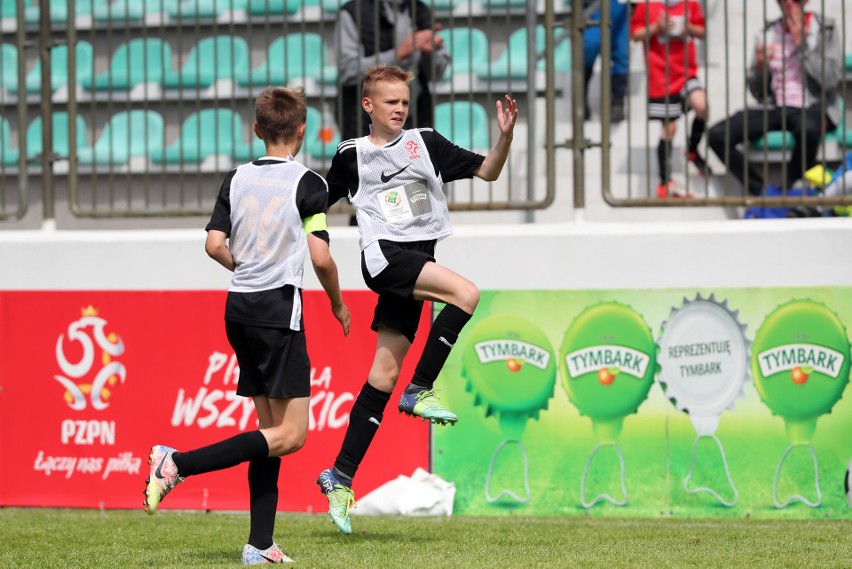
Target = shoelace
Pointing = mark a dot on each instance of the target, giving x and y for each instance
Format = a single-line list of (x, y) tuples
[(343, 498)]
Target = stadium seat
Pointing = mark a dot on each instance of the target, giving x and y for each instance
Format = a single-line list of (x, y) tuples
[(294, 56), (278, 7), (208, 132), (9, 68), (465, 123), (774, 141), (842, 135), (204, 9), (468, 48), (59, 10), (60, 135), (512, 62), (498, 4), (849, 62), (132, 10), (128, 134), (9, 8), (321, 139), (211, 59), (140, 60), (8, 155), (59, 67)]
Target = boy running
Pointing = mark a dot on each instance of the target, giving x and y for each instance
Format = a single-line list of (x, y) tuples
[(268, 215), (394, 179)]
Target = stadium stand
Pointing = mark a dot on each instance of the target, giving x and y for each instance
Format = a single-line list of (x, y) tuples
[(132, 10), (59, 67), (209, 132), (293, 57), (210, 60), (204, 9), (469, 49), (9, 68), (59, 10), (128, 134), (140, 60), (278, 7), (8, 154), (60, 134), (465, 123)]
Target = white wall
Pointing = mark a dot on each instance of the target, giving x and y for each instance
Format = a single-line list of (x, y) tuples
[(587, 255)]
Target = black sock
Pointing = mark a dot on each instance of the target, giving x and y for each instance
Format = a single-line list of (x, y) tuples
[(221, 455), (698, 126), (364, 421), (263, 493), (664, 150), (444, 333)]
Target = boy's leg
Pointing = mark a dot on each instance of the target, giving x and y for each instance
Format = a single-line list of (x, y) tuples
[(263, 496), (664, 154), (437, 283), (364, 420), (697, 100)]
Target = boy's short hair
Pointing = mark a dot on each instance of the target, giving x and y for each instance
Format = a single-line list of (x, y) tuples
[(384, 72), (279, 112)]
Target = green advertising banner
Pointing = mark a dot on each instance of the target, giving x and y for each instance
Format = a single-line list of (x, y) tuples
[(691, 403)]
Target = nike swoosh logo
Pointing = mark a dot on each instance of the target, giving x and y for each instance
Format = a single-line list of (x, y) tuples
[(269, 559), (374, 420), (445, 341), (388, 178), (157, 472)]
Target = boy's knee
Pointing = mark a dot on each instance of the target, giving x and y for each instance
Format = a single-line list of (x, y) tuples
[(286, 442), (469, 298)]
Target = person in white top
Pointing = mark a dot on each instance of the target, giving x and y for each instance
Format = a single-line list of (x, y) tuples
[(394, 179)]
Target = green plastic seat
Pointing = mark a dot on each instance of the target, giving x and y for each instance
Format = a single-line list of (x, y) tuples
[(211, 59), (61, 146), (59, 10), (842, 134), (496, 4), (137, 133), (464, 123), (332, 7), (294, 56), (849, 62), (278, 7), (208, 132), (9, 8), (132, 10), (9, 68), (140, 60), (512, 62), (8, 155), (468, 48), (204, 9), (774, 141), (321, 139), (85, 62)]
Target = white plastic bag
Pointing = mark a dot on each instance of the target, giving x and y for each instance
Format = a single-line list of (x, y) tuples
[(421, 494)]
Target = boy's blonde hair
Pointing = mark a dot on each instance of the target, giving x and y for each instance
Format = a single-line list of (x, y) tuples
[(279, 112), (384, 72)]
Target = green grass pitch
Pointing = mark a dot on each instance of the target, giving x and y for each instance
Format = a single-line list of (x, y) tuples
[(90, 538)]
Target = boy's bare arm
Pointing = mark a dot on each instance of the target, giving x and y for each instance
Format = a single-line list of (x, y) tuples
[(217, 247), (491, 167), (326, 271)]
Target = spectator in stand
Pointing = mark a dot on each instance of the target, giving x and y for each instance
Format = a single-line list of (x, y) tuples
[(619, 53), (406, 36), (667, 30), (795, 75)]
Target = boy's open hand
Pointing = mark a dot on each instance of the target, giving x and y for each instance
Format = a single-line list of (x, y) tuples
[(507, 117), (342, 314)]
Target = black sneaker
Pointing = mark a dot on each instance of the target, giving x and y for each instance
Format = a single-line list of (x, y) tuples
[(617, 111), (699, 163)]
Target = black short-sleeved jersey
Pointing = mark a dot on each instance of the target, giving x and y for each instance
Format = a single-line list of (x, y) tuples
[(261, 207)]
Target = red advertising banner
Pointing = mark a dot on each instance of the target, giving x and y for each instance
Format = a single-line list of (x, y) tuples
[(90, 380)]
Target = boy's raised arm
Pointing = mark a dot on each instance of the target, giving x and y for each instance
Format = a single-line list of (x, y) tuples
[(491, 167)]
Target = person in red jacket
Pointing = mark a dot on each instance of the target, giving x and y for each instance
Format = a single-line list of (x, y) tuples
[(667, 29)]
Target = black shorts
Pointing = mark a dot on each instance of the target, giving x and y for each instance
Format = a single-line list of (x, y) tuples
[(273, 361), (672, 107), (391, 269)]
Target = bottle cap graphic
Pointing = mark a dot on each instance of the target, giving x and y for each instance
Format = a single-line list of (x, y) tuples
[(607, 364), (703, 363), (800, 363), (510, 368), (511, 371)]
